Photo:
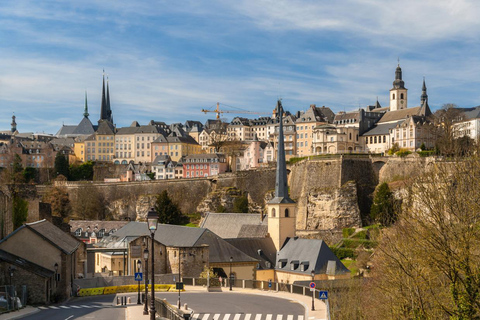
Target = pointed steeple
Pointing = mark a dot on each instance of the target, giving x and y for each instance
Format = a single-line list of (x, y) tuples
[(13, 124), (281, 187), (109, 111), (103, 108), (85, 111), (424, 96)]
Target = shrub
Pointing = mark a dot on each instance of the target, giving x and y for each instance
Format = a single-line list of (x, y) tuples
[(426, 153), (361, 235), (342, 253), (403, 153), (347, 232)]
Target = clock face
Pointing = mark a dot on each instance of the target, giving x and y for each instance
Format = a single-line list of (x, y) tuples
[(401, 101)]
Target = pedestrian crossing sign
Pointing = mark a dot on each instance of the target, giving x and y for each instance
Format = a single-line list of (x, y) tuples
[(323, 295), (138, 276)]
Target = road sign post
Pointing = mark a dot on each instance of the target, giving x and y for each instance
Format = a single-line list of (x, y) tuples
[(323, 295)]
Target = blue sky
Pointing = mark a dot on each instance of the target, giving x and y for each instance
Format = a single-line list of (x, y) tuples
[(166, 60)]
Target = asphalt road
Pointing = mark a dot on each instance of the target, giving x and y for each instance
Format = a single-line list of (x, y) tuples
[(234, 303), (98, 307)]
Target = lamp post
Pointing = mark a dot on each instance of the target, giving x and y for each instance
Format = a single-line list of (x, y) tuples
[(11, 270), (152, 222), (179, 275), (313, 291), (231, 274), (139, 268), (55, 266), (145, 256)]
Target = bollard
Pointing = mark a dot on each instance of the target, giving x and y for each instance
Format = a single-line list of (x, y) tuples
[(129, 300), (185, 307), (124, 300), (118, 301)]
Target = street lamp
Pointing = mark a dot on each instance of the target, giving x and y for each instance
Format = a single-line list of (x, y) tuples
[(231, 274), (139, 268), (145, 256), (152, 222), (313, 291), (11, 269)]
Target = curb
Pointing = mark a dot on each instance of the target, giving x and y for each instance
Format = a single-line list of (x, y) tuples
[(19, 316)]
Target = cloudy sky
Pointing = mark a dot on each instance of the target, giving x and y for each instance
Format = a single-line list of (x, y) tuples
[(166, 60)]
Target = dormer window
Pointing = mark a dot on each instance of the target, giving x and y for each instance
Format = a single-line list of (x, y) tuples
[(282, 263), (294, 265), (78, 232), (304, 266)]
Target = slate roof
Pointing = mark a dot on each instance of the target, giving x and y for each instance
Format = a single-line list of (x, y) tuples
[(66, 130), (472, 113), (85, 127), (100, 224), (45, 229), (229, 225), (313, 252), (251, 247), (127, 130), (105, 127), (63, 142), (382, 128), (25, 264), (179, 236), (253, 231)]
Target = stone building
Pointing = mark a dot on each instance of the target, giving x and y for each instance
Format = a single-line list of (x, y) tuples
[(305, 125), (45, 245)]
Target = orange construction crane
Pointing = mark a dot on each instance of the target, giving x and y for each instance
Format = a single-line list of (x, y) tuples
[(218, 111)]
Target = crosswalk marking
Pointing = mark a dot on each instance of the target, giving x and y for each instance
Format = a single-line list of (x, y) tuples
[(258, 317), (76, 307), (43, 308), (280, 317), (300, 317), (53, 307), (237, 316), (269, 317), (290, 317), (64, 307), (83, 306), (227, 316), (248, 316), (205, 317), (216, 316)]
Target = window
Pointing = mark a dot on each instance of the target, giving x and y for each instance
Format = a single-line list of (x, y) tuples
[(286, 213), (401, 95), (393, 96), (273, 212)]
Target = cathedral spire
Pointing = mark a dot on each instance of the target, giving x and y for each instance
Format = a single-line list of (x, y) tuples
[(103, 108), (85, 111), (109, 111)]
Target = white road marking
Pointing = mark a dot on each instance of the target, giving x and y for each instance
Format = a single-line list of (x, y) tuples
[(290, 317), (64, 307), (237, 316), (216, 316), (43, 308), (76, 307), (69, 317), (248, 316), (205, 316), (52, 307), (269, 317), (300, 317), (279, 316), (227, 316), (258, 317)]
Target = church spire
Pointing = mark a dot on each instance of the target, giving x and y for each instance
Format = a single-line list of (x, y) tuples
[(398, 83), (281, 187), (85, 111), (424, 96), (103, 108), (109, 110), (13, 124)]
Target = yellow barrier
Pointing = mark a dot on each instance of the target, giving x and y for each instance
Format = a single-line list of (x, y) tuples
[(123, 289)]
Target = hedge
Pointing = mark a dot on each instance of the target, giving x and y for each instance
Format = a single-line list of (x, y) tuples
[(123, 289), (347, 232), (342, 253)]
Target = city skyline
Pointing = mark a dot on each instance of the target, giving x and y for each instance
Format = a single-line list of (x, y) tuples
[(167, 62)]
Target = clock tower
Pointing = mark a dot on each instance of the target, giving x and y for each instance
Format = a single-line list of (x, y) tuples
[(398, 94)]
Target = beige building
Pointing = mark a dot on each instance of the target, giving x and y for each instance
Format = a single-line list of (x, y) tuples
[(240, 129), (330, 139), (305, 125), (100, 146)]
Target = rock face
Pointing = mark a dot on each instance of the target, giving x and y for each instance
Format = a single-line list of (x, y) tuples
[(224, 198), (333, 208), (131, 208)]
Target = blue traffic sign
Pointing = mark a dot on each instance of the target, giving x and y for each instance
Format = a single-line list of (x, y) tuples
[(323, 295), (138, 276), (312, 285)]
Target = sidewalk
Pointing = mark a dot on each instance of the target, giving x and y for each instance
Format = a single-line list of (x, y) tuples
[(19, 313), (136, 311)]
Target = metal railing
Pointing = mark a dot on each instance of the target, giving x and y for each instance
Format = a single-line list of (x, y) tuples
[(12, 298)]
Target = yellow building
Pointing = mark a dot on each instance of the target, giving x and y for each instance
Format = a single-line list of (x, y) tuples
[(182, 146), (100, 146)]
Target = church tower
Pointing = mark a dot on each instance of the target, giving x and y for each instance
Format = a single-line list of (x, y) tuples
[(13, 124), (398, 94), (105, 110), (424, 96), (281, 209)]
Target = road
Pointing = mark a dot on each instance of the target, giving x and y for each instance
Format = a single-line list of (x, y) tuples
[(223, 303), (98, 307), (206, 306)]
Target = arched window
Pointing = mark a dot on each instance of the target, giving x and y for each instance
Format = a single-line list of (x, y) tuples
[(273, 212), (286, 213), (393, 96), (401, 95)]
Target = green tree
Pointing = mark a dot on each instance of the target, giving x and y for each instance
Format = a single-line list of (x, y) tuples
[(382, 210), (20, 212), (240, 204), (61, 165), (30, 174), (168, 212), (82, 172)]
